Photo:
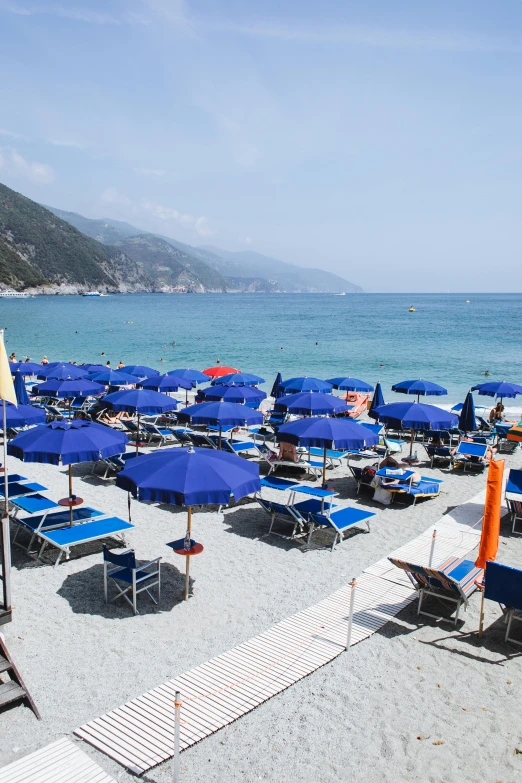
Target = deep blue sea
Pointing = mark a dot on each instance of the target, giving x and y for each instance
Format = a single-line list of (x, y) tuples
[(368, 336)]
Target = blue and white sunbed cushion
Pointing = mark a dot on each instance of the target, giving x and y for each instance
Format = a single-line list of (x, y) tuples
[(17, 490), (343, 518), (58, 519), (471, 449)]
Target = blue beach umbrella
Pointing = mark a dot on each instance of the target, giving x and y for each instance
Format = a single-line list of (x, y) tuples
[(68, 389), (68, 442), (415, 416), (25, 368), (350, 384), (419, 387), (23, 415), (311, 404), (305, 384), (277, 388), (498, 389), (194, 376), (22, 397), (238, 379), (62, 372), (92, 368), (467, 421), (377, 401), (188, 477), (112, 377), (165, 383), (220, 414), (244, 395), (139, 370), (140, 401), (327, 433)]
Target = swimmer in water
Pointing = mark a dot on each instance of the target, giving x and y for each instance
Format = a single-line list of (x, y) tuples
[(486, 372)]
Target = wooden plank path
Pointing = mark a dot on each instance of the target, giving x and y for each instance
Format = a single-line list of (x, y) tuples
[(60, 762), (140, 734)]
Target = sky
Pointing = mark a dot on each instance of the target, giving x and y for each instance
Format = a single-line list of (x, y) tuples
[(378, 139)]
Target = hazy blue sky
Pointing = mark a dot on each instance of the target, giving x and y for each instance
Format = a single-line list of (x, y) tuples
[(379, 139)]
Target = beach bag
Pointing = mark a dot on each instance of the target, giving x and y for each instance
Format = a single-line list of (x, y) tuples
[(382, 496)]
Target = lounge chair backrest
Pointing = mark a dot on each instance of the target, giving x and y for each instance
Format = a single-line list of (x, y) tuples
[(472, 449), (375, 428), (424, 575), (503, 584), (514, 482), (125, 560)]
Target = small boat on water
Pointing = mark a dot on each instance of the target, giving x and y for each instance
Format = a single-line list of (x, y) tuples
[(412, 309), (10, 294), (91, 293), (342, 293)]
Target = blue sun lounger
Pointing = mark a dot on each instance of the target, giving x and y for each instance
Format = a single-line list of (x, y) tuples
[(514, 497), (472, 455), (238, 446), (340, 520), (66, 538), (52, 520), (18, 490), (295, 513), (504, 585), (454, 581), (427, 487)]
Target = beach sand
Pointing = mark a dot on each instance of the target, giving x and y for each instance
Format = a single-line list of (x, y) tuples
[(417, 701)]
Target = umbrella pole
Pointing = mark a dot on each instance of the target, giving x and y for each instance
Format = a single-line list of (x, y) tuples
[(219, 442), (187, 558), (129, 504), (324, 467), (70, 496), (411, 441), (5, 536), (138, 435), (186, 398)]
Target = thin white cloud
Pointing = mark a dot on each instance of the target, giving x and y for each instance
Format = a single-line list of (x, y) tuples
[(77, 145), (75, 13), (11, 162), (113, 196), (12, 135), (144, 172), (199, 224)]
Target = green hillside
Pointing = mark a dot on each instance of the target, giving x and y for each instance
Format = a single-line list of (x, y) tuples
[(36, 248)]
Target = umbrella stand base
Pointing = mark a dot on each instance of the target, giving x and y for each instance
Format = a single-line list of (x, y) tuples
[(70, 502)]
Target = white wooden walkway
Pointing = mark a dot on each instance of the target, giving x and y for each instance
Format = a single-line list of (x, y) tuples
[(140, 734), (59, 762)]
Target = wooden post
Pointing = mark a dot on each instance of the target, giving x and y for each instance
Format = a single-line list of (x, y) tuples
[(187, 558), (176, 760), (481, 623), (432, 548), (350, 616)]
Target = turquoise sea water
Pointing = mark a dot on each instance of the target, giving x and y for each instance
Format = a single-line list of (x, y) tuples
[(370, 336)]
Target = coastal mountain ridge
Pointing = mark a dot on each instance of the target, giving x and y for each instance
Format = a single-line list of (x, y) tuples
[(244, 271)]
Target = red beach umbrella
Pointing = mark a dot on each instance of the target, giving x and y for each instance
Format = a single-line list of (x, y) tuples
[(219, 371)]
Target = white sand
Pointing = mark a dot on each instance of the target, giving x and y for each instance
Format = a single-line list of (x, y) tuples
[(359, 718)]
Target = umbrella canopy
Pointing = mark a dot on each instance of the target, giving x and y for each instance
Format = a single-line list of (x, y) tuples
[(245, 395), (350, 384), (219, 371), (188, 477), (221, 414), (239, 379), (311, 404), (23, 415), (92, 368), (25, 368), (305, 384), (62, 372), (165, 383), (377, 401), (140, 401), (415, 416), (498, 389), (327, 433), (194, 376), (68, 389), (139, 370), (419, 387), (112, 377), (467, 421), (277, 388), (22, 397), (67, 442)]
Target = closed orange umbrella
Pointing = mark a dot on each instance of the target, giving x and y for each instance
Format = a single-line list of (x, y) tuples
[(491, 523)]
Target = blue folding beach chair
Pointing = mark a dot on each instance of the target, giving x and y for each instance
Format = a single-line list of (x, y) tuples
[(341, 520), (471, 455), (514, 497), (454, 581), (504, 585), (135, 578)]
